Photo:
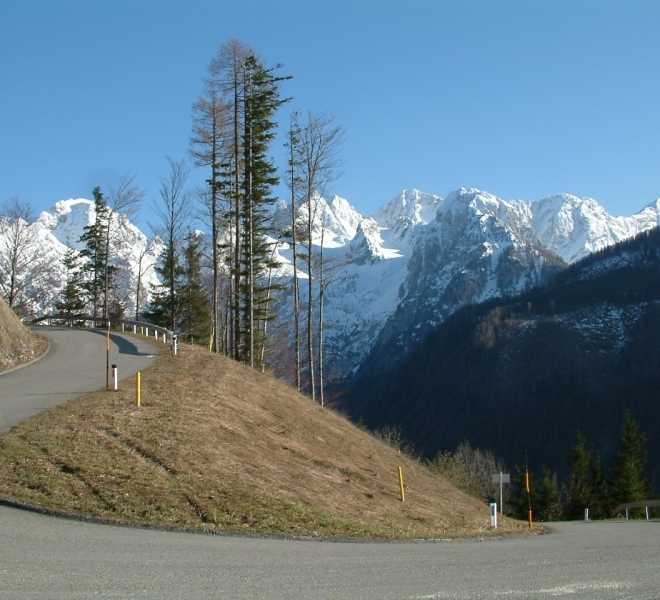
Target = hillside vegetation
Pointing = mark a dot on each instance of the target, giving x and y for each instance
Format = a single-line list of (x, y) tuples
[(219, 447), (528, 373), (18, 345)]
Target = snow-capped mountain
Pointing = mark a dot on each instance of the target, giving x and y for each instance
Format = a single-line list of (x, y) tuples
[(419, 258), (389, 277), (60, 228)]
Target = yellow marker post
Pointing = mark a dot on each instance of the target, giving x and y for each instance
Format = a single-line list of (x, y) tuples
[(137, 385), (403, 496)]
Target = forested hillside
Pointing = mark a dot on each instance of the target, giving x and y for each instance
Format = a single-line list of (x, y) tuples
[(530, 372)]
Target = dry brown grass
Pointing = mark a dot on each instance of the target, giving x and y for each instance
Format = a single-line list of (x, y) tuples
[(217, 446), (18, 345)]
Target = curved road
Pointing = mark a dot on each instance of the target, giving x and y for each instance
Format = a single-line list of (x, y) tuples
[(46, 557), (75, 364)]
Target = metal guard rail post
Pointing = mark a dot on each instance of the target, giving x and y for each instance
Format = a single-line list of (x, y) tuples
[(138, 326), (640, 504)]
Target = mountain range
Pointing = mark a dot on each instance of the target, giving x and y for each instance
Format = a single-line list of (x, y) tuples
[(47, 239), (391, 277), (405, 269)]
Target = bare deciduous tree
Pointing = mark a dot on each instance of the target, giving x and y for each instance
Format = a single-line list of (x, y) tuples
[(209, 147), (175, 211), (319, 140), (21, 260), (124, 199)]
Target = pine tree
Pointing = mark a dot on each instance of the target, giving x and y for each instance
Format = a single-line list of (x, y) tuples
[(72, 302), (229, 76), (578, 489), (601, 505), (548, 500), (97, 272), (261, 102), (195, 322), (629, 484)]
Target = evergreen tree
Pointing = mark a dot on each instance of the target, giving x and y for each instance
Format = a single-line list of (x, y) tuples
[(195, 322), (164, 309), (229, 77), (257, 258), (578, 488), (548, 500), (97, 272), (629, 484), (72, 302), (116, 308), (601, 506)]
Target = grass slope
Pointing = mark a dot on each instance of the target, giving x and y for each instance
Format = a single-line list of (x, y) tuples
[(217, 446), (18, 344)]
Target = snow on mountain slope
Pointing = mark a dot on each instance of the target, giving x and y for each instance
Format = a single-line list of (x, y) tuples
[(419, 258), (391, 277), (574, 227), (130, 250)]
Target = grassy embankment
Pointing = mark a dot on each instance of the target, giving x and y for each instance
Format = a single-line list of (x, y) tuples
[(18, 345), (218, 447)]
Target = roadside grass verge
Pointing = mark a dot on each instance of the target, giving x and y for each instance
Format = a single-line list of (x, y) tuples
[(216, 446)]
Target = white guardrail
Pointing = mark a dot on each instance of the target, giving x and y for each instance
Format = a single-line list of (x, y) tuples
[(136, 327)]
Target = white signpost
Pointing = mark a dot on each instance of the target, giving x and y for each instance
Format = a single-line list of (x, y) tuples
[(501, 478)]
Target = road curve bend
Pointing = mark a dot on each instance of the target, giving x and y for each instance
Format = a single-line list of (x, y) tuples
[(75, 364)]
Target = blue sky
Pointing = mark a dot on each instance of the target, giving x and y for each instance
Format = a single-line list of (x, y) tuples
[(523, 99)]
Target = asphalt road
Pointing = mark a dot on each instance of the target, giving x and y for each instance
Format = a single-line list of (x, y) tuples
[(54, 558), (75, 364), (46, 557)]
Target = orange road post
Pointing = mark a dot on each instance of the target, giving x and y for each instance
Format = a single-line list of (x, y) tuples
[(403, 496), (529, 492)]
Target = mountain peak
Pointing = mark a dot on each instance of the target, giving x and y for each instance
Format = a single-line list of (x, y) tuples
[(411, 205)]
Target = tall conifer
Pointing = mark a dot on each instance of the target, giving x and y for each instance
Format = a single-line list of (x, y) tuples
[(97, 272), (71, 302), (629, 483)]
